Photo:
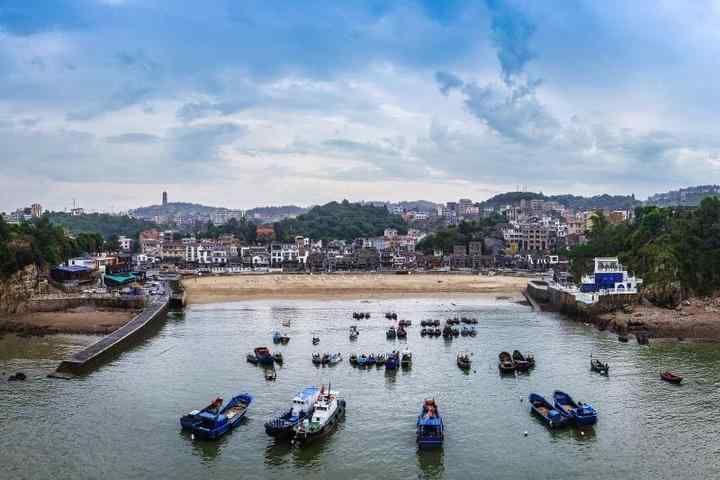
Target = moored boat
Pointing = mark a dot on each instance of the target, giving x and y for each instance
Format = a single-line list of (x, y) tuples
[(505, 363), (315, 340), (392, 362), (334, 358), (598, 366), (251, 358), (521, 363), (463, 360), (362, 360), (216, 420), (430, 431), (263, 356), (353, 359), (671, 377), (473, 332), (546, 412), (276, 337), (302, 407), (278, 357), (583, 414), (316, 358), (370, 360), (380, 359), (354, 333), (406, 359), (401, 332), (391, 333), (328, 410)]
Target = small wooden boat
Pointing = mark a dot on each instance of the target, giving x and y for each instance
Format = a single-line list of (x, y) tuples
[(302, 406), (263, 356), (583, 414), (276, 338), (464, 331), (316, 358), (353, 359), (546, 412), (401, 332), (671, 377), (429, 431), (328, 410), (505, 363), (521, 364), (464, 361), (391, 333), (380, 359), (278, 357), (315, 340), (406, 359), (392, 362), (598, 366), (216, 420), (362, 360), (354, 333), (370, 360), (473, 332)]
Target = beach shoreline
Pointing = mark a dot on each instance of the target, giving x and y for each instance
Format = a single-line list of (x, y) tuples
[(217, 289), (81, 320)]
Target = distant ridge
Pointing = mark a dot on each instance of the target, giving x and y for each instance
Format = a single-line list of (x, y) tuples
[(689, 196), (605, 201)]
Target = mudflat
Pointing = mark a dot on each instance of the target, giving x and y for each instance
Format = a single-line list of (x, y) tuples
[(258, 286), (76, 320)]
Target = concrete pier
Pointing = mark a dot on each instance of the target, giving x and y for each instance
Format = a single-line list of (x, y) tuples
[(155, 310)]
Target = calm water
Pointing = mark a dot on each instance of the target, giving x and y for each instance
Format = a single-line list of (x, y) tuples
[(121, 421)]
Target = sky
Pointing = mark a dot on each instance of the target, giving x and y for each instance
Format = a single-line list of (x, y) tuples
[(107, 103)]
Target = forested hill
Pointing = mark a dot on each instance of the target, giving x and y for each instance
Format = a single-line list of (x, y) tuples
[(608, 202), (102, 223), (343, 220), (690, 196)]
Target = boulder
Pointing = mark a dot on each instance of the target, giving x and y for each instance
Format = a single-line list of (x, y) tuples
[(17, 377)]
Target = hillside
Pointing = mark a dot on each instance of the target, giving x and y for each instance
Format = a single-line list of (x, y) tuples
[(609, 202), (343, 220), (274, 214), (102, 223), (173, 208), (690, 196)]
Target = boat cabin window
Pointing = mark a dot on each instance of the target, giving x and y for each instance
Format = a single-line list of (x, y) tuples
[(321, 408)]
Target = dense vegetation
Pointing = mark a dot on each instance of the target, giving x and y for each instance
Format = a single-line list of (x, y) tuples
[(344, 221), (107, 226), (445, 238), (41, 243), (242, 229), (690, 196), (609, 202), (673, 250)]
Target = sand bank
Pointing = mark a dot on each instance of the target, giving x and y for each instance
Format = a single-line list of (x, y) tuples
[(246, 287), (76, 320)]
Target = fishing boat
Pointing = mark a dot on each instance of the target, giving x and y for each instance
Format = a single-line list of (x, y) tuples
[(325, 359), (251, 358), (316, 358), (447, 332), (598, 366), (391, 333), (391, 316), (472, 332), (392, 362), (276, 337), (278, 357), (270, 374), (521, 364), (315, 340), (353, 359), (463, 360), (328, 410), (216, 420), (455, 332), (380, 359), (401, 332), (464, 331), (334, 358), (505, 363), (671, 377), (430, 431), (436, 332), (354, 333), (423, 332), (362, 360), (406, 358), (302, 406), (405, 323), (284, 339), (263, 356), (583, 414), (546, 412), (370, 360)]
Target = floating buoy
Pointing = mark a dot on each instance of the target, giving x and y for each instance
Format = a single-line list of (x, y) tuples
[(582, 434), (525, 433), (192, 436)]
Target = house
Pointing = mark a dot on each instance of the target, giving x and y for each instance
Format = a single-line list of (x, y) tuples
[(126, 243), (265, 232)]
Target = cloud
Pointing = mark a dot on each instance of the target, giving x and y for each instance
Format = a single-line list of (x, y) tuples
[(196, 110), (200, 145), (447, 81), (125, 97), (511, 32), (137, 138)]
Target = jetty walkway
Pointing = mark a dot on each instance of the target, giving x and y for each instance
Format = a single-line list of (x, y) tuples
[(155, 309)]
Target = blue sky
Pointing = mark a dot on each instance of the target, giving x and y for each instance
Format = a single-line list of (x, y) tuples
[(246, 103)]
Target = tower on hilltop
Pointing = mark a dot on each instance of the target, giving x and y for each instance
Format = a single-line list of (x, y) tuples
[(164, 198)]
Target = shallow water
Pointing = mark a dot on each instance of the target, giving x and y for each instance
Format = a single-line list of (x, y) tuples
[(121, 421)]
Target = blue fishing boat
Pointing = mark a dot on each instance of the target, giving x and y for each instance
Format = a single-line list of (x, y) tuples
[(263, 356), (276, 337), (392, 362), (544, 409), (430, 431), (583, 414), (215, 420), (302, 407), (370, 360), (362, 360)]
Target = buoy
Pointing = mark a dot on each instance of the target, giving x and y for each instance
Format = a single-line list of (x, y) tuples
[(582, 433), (192, 436), (525, 433)]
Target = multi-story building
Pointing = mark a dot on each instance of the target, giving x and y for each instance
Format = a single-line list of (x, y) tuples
[(126, 243)]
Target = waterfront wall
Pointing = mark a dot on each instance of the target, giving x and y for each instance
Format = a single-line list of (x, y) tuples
[(56, 303), (555, 299)]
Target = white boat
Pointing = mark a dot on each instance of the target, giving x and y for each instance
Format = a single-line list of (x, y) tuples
[(335, 358), (354, 332), (406, 358), (327, 412)]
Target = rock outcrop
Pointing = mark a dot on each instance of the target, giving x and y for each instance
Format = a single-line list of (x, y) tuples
[(16, 290)]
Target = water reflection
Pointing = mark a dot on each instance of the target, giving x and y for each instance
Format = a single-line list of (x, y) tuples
[(207, 450), (276, 453), (431, 462)]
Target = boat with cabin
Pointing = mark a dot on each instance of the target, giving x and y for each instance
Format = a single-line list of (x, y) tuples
[(430, 430), (328, 410), (392, 362), (316, 358), (406, 359), (216, 420), (464, 361), (583, 414), (263, 356), (401, 332), (334, 358), (521, 363), (391, 333), (302, 406), (505, 363), (598, 366)]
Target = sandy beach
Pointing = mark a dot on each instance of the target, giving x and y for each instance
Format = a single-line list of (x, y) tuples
[(245, 287)]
